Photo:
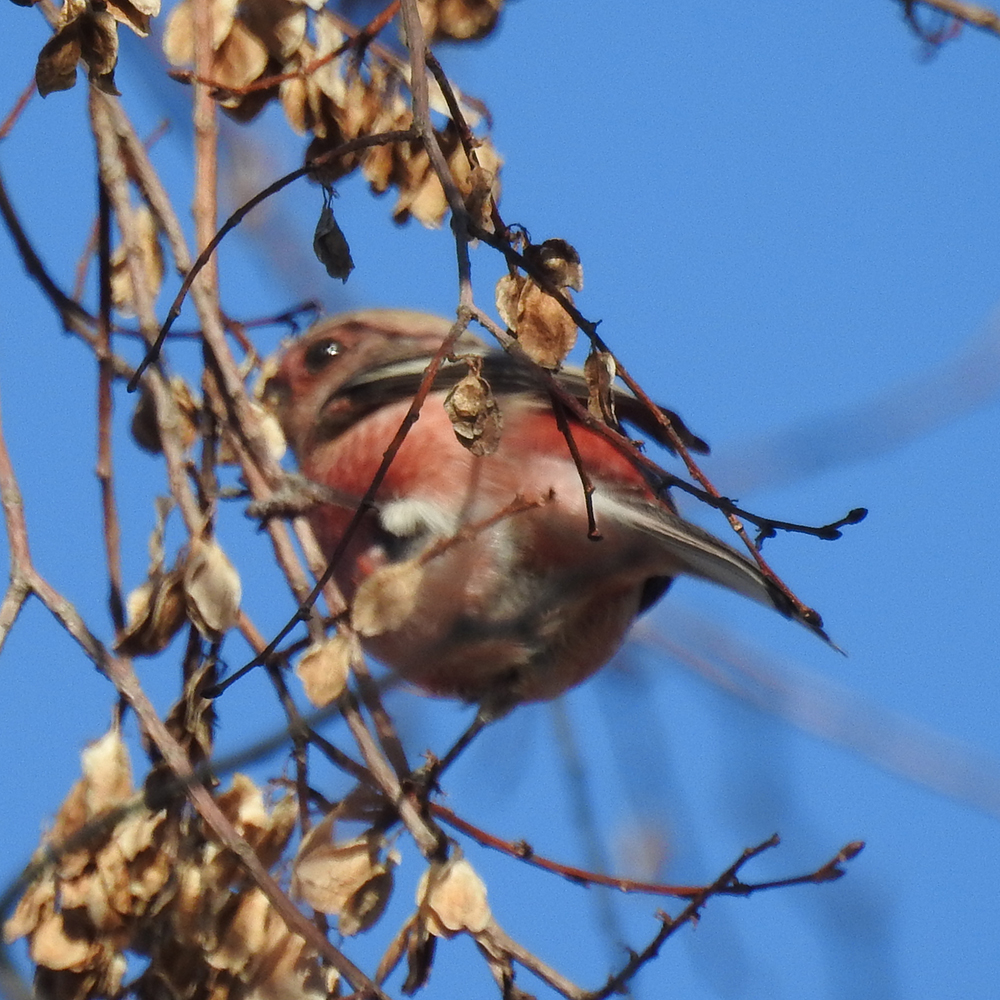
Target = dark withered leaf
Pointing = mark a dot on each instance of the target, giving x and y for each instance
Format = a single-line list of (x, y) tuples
[(56, 66), (330, 244)]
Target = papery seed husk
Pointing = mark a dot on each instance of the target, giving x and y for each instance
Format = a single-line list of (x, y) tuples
[(387, 598), (544, 329), (212, 587), (324, 668)]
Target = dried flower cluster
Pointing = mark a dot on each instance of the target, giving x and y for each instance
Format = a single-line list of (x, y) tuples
[(332, 86), (299, 54), (129, 880), (87, 31), (114, 879)]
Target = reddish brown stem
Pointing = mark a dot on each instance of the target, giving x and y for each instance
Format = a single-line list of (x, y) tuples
[(105, 379)]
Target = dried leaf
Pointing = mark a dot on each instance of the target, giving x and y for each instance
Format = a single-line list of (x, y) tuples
[(34, 906), (420, 192), (419, 957), (377, 164), (452, 898), (135, 14), (331, 170), (293, 94), (483, 190), (479, 183), (146, 428), (99, 43), (271, 843), (230, 450), (243, 933), (474, 414), (270, 427), (329, 38), (178, 36), (330, 244), (55, 948), (239, 60), (243, 805), (279, 24), (243, 108), (396, 949), (324, 668), (212, 588), (386, 598)]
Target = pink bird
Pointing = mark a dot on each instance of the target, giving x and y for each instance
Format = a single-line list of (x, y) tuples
[(506, 597)]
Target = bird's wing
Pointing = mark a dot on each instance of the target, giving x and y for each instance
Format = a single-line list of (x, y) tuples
[(379, 386), (701, 554)]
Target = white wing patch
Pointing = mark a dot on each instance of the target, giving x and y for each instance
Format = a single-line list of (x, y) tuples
[(413, 519)]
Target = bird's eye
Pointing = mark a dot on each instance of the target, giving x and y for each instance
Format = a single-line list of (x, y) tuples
[(320, 354)]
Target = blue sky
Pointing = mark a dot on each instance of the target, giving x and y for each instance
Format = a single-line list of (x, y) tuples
[(788, 220)]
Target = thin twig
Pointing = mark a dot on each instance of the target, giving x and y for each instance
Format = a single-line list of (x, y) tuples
[(105, 378), (206, 134), (593, 531), (15, 112), (73, 315), (237, 217), (523, 851), (417, 45)]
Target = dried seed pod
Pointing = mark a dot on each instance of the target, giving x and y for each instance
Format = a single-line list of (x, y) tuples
[(599, 370), (145, 427), (386, 598), (368, 902), (329, 242), (544, 329), (558, 261), (151, 261), (452, 898), (508, 291), (474, 414), (325, 666), (346, 879), (156, 611), (212, 588)]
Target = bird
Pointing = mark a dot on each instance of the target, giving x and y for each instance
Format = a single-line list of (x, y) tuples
[(478, 558)]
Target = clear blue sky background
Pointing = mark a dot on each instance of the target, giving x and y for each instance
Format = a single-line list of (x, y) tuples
[(790, 227)]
